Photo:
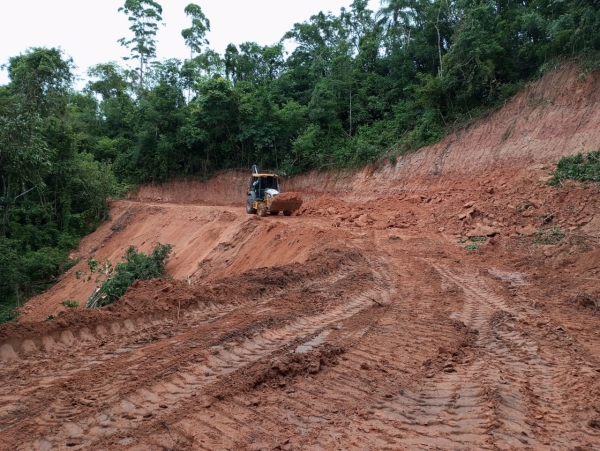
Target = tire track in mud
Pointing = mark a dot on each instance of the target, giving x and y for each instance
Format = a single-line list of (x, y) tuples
[(232, 429), (507, 395), (236, 422), (64, 423), (514, 387), (115, 341)]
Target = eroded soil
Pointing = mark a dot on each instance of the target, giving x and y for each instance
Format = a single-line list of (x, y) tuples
[(440, 311), (349, 326)]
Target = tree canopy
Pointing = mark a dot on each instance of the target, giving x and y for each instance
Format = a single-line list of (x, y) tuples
[(357, 86)]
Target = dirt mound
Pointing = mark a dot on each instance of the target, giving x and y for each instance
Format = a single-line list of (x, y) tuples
[(289, 197), (171, 298), (325, 205)]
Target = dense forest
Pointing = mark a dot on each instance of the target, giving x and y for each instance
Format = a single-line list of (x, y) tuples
[(358, 86)]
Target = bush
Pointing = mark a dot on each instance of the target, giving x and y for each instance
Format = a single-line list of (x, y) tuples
[(137, 266), (8, 312), (583, 167)]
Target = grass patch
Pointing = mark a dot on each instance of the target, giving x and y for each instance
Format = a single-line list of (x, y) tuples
[(581, 167), (549, 236), (70, 304), (473, 247), (478, 239)]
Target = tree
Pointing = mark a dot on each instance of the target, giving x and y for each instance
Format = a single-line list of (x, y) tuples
[(41, 77), (195, 36), (144, 16)]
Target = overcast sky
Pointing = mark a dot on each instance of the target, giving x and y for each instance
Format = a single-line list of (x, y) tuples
[(88, 30)]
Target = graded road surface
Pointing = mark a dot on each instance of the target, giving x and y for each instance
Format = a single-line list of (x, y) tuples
[(362, 338), (448, 311)]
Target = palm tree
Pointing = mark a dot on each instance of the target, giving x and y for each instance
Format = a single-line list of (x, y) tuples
[(397, 17)]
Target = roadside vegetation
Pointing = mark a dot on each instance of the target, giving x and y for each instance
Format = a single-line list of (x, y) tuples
[(582, 167), (116, 280), (358, 86)]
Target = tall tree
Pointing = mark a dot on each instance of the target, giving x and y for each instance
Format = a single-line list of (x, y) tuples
[(144, 15), (195, 36), (195, 39)]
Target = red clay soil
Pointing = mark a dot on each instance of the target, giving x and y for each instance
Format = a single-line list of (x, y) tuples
[(290, 197), (435, 311)]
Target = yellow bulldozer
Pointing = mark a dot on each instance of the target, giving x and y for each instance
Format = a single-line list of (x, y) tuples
[(265, 197)]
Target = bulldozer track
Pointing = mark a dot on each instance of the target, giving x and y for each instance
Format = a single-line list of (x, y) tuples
[(494, 400), (199, 363), (352, 326)]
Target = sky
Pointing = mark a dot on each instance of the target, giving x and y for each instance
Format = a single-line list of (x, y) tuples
[(88, 30)]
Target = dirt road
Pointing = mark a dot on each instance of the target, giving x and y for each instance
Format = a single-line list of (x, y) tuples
[(449, 301), (362, 337)]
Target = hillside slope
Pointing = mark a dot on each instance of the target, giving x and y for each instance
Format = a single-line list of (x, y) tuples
[(556, 116), (448, 301)]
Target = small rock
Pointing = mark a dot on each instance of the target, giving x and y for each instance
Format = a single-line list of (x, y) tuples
[(527, 230), (314, 367), (482, 230), (536, 203), (584, 221)]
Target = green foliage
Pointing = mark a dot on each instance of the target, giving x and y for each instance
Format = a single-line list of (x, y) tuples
[(70, 304), (478, 239), (53, 191), (137, 266), (195, 35), (473, 247), (583, 167), (357, 86), (8, 312), (144, 16), (549, 236)]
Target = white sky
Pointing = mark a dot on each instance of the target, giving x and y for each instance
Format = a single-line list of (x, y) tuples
[(88, 30)]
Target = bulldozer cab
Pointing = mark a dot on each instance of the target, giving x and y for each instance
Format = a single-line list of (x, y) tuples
[(259, 183)]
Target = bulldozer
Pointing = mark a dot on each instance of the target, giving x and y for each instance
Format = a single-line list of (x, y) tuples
[(264, 196)]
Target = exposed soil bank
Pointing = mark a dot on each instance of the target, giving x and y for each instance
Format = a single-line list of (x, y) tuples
[(556, 116), (448, 302)]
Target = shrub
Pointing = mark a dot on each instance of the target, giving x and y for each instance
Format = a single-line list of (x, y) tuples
[(473, 247), (137, 266), (583, 167)]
